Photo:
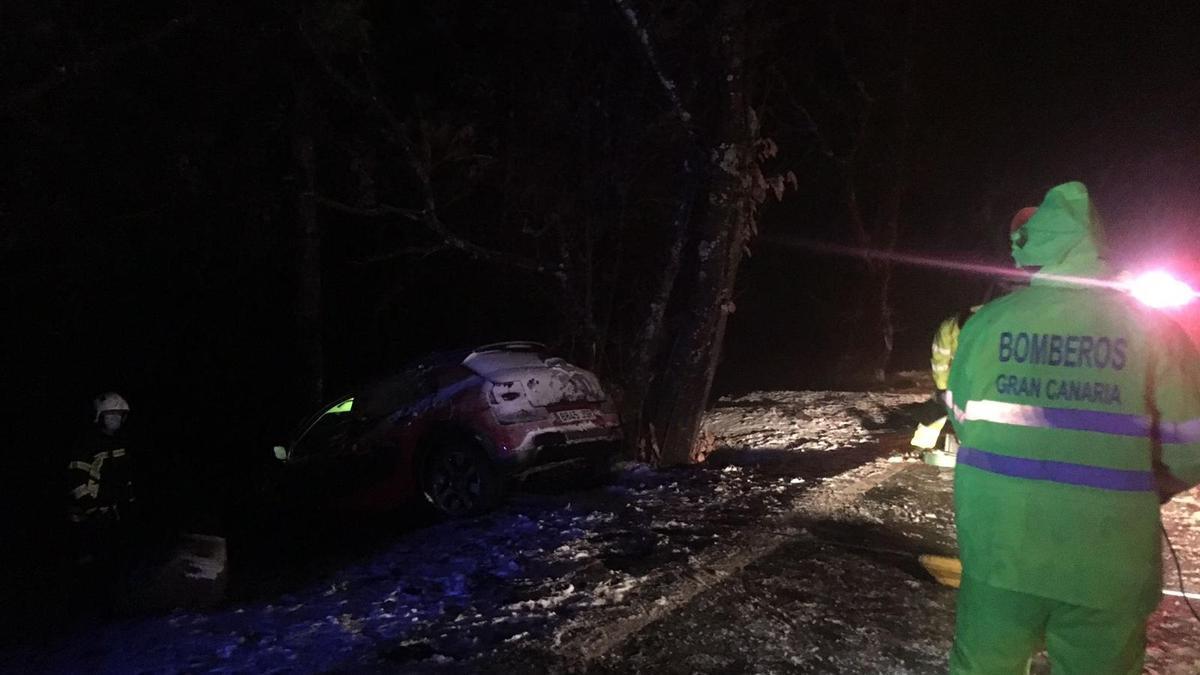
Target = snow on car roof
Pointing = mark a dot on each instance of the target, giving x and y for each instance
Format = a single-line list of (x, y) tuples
[(492, 359), (513, 345)]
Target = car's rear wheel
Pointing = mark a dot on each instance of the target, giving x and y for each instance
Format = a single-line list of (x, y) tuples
[(459, 479)]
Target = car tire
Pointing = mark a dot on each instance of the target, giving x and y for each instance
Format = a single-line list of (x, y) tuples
[(458, 479)]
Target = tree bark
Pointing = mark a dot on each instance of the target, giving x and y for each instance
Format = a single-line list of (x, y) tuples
[(308, 300), (650, 338), (878, 352), (720, 238)]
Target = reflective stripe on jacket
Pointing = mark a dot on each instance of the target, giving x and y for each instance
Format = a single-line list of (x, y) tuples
[(100, 480)]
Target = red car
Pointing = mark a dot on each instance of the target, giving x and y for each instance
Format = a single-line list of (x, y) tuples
[(451, 428)]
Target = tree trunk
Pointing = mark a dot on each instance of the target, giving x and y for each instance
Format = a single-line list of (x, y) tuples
[(887, 326), (308, 305), (721, 236), (650, 338), (867, 325)]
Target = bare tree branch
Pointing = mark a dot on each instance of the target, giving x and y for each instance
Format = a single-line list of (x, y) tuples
[(839, 45), (93, 60), (418, 163), (368, 97), (380, 210), (450, 240), (402, 252), (810, 122), (668, 85)]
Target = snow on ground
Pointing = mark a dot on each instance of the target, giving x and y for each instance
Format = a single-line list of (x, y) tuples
[(806, 420), (456, 590), (791, 550), (1174, 634)]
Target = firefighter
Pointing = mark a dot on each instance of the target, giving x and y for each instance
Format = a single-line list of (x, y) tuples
[(945, 340), (102, 500), (1072, 405), (943, 349), (945, 344)]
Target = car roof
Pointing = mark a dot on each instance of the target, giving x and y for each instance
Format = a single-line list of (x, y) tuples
[(454, 357), (492, 362), (485, 359)]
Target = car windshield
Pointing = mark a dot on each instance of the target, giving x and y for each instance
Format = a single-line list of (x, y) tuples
[(343, 407)]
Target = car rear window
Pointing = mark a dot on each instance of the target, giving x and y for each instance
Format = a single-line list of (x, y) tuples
[(500, 360)]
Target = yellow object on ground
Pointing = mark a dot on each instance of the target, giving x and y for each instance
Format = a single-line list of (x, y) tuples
[(947, 571), (926, 436)]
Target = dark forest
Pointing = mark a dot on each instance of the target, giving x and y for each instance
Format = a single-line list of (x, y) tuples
[(233, 212)]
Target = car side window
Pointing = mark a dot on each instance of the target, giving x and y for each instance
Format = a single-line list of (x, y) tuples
[(329, 432), (413, 387)]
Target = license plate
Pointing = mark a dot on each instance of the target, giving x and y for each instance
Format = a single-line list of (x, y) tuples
[(578, 415)]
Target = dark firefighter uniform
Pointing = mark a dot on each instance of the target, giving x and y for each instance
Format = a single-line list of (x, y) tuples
[(100, 492)]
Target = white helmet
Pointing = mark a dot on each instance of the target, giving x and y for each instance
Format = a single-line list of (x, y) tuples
[(109, 401)]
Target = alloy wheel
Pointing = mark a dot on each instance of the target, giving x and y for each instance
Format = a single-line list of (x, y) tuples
[(457, 482)]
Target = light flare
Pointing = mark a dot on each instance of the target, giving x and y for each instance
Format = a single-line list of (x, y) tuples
[(1158, 289)]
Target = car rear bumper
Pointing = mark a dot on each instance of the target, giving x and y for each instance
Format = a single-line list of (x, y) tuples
[(552, 447)]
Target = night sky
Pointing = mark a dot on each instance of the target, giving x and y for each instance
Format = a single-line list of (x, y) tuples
[(1013, 99), (146, 236)]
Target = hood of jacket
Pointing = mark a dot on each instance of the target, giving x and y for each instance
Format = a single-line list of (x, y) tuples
[(1064, 238)]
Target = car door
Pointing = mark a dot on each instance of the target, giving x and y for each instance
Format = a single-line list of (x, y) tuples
[(369, 467), (400, 405), (325, 461)]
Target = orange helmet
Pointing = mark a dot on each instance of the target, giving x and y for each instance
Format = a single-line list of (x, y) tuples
[(1021, 217)]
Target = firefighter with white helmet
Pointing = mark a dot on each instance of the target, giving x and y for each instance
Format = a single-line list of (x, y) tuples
[(111, 409), (100, 484)]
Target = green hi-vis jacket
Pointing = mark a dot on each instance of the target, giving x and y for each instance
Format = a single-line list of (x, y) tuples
[(945, 343), (1069, 400)]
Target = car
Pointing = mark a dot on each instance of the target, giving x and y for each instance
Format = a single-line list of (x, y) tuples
[(451, 429)]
